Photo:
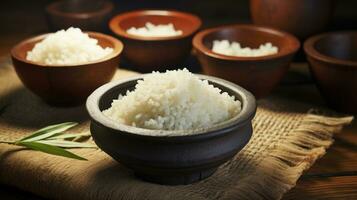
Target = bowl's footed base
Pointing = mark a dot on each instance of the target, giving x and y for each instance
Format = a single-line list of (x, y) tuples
[(177, 178)]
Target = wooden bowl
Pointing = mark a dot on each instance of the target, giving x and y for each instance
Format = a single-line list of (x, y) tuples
[(155, 53), (88, 15), (65, 85), (299, 17), (170, 159), (333, 63), (259, 75)]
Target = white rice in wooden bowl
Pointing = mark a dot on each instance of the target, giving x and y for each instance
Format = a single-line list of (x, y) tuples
[(67, 47), (174, 100), (152, 30), (235, 49)]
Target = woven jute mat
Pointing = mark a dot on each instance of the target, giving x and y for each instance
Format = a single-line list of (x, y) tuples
[(287, 140)]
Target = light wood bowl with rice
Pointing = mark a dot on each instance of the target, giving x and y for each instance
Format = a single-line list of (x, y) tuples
[(147, 54), (65, 85), (259, 75)]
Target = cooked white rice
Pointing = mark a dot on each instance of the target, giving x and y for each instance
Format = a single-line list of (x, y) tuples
[(234, 49), (174, 100), (152, 30), (67, 47)]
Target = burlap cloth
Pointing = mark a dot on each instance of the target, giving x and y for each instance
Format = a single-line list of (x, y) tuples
[(286, 141)]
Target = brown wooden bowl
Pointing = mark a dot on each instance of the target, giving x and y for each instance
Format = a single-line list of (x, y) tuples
[(299, 17), (88, 15), (65, 85), (155, 53), (333, 63), (259, 75)]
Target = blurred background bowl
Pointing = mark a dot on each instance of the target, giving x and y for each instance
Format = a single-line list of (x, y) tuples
[(259, 75), (170, 159), (155, 53), (299, 17), (333, 63), (65, 85), (88, 15)]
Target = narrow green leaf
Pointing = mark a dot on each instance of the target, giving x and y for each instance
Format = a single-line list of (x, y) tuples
[(49, 131), (67, 144), (50, 149), (68, 136)]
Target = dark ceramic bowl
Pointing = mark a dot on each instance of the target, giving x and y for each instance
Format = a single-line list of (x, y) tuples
[(155, 53), (170, 159), (259, 75), (333, 63), (299, 17), (88, 15), (70, 84)]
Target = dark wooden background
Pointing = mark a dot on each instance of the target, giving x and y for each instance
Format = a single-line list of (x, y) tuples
[(332, 177)]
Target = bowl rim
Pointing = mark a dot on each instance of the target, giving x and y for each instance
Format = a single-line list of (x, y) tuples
[(117, 49), (113, 24), (52, 9), (310, 50), (247, 114), (197, 42)]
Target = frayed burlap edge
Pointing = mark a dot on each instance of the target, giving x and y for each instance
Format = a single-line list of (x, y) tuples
[(288, 160)]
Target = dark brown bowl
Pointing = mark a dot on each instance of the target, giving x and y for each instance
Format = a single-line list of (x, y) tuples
[(170, 159), (259, 75), (333, 63), (65, 85), (88, 15), (299, 17), (155, 53)]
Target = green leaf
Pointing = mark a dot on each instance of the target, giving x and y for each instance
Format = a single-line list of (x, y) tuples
[(68, 136), (67, 144), (50, 149), (49, 131)]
